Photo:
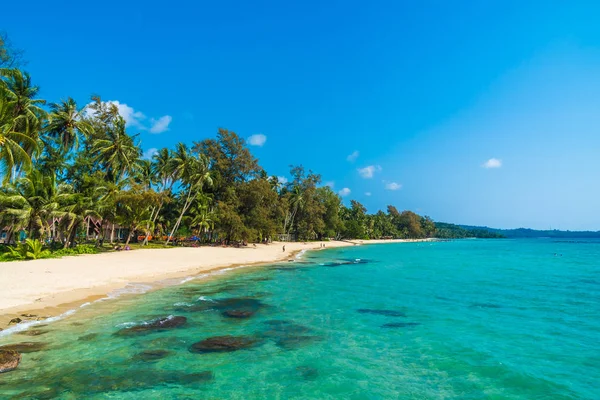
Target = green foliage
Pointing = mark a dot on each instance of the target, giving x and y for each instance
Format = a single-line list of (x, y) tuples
[(80, 249), (29, 250)]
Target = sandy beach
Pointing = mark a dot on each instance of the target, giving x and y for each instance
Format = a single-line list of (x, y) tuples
[(48, 287)]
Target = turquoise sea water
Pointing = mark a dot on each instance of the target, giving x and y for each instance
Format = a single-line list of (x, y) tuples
[(471, 319)]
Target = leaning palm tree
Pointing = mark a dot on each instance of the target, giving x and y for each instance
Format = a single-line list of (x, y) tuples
[(67, 124), (296, 203), (193, 173)]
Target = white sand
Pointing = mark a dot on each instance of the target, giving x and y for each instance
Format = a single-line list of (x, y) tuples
[(49, 283)]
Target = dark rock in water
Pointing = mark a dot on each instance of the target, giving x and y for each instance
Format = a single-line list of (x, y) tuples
[(288, 334), (9, 360), (15, 321), (291, 342), (261, 279), (156, 325), (88, 337), (151, 355), (238, 314), (198, 377), (25, 347), (33, 332), (307, 373), (221, 344), (486, 305), (281, 328), (387, 313), (400, 325), (238, 303)]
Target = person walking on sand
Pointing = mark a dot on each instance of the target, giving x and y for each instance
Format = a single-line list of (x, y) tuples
[(284, 248)]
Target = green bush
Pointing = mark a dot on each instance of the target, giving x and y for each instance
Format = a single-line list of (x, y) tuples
[(28, 250)]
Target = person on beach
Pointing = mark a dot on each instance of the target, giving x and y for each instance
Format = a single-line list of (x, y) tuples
[(284, 248)]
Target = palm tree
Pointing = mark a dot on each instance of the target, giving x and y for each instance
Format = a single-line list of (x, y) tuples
[(296, 203), (74, 209), (202, 216), (20, 95), (193, 173), (30, 203), (13, 144), (67, 124), (117, 151)]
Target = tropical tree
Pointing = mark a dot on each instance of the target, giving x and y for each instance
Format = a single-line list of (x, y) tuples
[(67, 124), (30, 203), (117, 151), (25, 109), (13, 144), (193, 173)]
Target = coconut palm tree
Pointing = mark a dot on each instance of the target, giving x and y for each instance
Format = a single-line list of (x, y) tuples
[(13, 144), (67, 124), (296, 203), (193, 173), (20, 94), (117, 151), (30, 203)]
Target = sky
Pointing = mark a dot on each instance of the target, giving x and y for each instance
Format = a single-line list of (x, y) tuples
[(474, 112)]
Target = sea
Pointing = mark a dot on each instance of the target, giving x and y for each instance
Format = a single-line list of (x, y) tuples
[(464, 319)]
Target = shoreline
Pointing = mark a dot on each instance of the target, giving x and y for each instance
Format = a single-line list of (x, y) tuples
[(48, 288)]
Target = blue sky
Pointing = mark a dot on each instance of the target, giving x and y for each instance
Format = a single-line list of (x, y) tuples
[(425, 95)]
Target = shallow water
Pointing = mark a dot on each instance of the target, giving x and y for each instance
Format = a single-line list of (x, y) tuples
[(470, 319)]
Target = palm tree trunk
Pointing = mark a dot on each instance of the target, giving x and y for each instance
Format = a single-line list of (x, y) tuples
[(131, 231), (71, 236), (183, 210), (112, 234)]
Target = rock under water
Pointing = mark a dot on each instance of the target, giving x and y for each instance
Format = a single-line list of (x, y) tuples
[(221, 344), (33, 332), (240, 314), (9, 360), (25, 347), (155, 325), (151, 355), (387, 313), (400, 325), (307, 373)]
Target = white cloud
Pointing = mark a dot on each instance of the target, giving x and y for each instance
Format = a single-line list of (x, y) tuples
[(344, 192), (352, 157), (160, 125), (257, 140), (331, 184), (492, 163), (137, 119), (393, 186), (149, 153), (282, 179), (368, 194), (369, 171)]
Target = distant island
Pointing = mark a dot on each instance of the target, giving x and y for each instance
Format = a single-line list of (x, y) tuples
[(447, 230)]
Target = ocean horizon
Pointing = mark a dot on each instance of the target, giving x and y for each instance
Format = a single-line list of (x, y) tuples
[(463, 319)]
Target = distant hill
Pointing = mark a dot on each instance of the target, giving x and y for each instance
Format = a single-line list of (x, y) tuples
[(520, 233), (452, 231)]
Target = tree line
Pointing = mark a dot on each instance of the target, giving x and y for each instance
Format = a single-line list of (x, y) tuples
[(63, 164)]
